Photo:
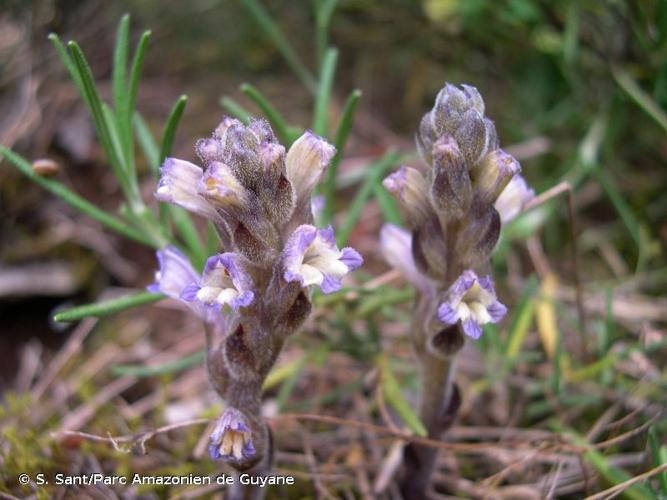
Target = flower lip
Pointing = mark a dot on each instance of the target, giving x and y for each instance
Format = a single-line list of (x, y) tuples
[(311, 257), (231, 438), (513, 198), (472, 301)]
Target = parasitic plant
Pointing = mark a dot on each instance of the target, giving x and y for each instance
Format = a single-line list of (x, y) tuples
[(256, 293), (454, 212)]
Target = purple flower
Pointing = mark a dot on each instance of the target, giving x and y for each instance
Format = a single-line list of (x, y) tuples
[(306, 161), (175, 277), (175, 273), (472, 301), (231, 438), (224, 282), (178, 185), (311, 257), (513, 198)]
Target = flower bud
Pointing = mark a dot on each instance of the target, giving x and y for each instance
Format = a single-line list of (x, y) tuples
[(473, 136), (451, 191), (493, 173), (305, 163), (410, 189), (220, 186)]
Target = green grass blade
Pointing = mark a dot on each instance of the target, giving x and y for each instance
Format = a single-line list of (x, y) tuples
[(114, 133), (375, 173), (135, 74), (67, 61), (342, 134), (164, 369), (521, 320), (289, 385), (148, 144), (94, 103), (659, 454), (323, 96), (119, 72), (324, 14), (108, 307), (188, 231), (637, 94), (75, 200), (275, 118), (388, 205), (178, 216), (170, 127), (235, 109), (392, 393), (621, 205), (276, 35)]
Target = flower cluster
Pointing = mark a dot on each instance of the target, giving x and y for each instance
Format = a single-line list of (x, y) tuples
[(257, 291), (455, 211)]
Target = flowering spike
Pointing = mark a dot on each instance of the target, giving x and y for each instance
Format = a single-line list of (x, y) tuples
[(454, 218), (255, 293)]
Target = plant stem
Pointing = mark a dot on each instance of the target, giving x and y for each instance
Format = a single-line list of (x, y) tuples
[(438, 407)]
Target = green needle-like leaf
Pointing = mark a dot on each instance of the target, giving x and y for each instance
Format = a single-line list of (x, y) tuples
[(119, 75), (75, 200), (67, 61), (135, 74), (323, 21), (170, 127), (275, 118), (108, 307), (323, 97), (342, 134), (94, 103), (163, 369), (392, 393), (272, 30), (148, 144), (374, 177), (236, 109)]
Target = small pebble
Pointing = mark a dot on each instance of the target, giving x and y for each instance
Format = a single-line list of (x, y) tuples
[(45, 167)]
